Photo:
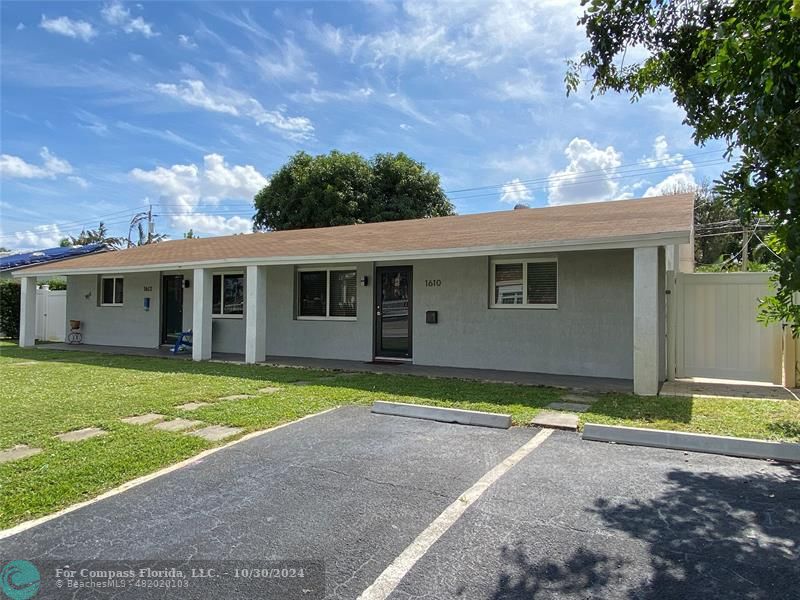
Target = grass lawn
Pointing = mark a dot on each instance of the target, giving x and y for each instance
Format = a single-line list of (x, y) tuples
[(48, 392)]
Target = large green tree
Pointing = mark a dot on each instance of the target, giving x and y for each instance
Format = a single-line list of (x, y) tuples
[(343, 189), (734, 67)]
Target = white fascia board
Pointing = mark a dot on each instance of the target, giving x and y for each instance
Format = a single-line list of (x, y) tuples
[(649, 240)]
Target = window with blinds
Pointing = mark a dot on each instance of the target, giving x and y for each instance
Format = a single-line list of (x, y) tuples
[(327, 293), (525, 283)]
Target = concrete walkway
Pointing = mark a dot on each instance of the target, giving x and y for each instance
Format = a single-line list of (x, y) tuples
[(572, 382)]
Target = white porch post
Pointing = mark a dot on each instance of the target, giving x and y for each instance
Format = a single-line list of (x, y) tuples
[(201, 315), (27, 313), (255, 345), (645, 321)]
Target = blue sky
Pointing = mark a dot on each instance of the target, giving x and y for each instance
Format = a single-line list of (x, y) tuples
[(110, 107)]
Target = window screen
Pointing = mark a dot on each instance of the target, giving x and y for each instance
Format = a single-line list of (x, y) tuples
[(343, 290), (312, 294), (508, 283), (542, 283)]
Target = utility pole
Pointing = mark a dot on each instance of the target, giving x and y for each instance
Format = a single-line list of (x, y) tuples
[(745, 257), (150, 228)]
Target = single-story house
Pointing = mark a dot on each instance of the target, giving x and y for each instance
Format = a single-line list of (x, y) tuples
[(11, 262), (574, 290)]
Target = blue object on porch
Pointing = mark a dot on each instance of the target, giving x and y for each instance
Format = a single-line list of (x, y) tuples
[(183, 342)]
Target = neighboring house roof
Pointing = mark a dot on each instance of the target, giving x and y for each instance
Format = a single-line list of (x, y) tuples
[(625, 223), (25, 259)]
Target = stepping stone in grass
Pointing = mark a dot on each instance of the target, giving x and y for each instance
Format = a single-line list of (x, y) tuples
[(191, 406), (143, 419), (18, 452), (556, 420), (579, 398), (81, 434), (571, 406), (177, 425), (269, 390), (214, 433), (235, 397)]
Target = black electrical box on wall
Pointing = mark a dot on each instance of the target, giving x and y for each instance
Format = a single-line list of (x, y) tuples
[(431, 316)]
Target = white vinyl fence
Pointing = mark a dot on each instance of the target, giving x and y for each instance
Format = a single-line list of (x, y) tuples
[(717, 332), (51, 314)]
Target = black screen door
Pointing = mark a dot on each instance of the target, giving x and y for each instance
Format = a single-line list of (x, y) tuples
[(393, 312), (172, 321)]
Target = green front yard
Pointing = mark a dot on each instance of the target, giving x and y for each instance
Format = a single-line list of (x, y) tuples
[(46, 392)]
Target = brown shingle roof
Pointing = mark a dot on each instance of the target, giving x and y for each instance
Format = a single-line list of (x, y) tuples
[(533, 228)]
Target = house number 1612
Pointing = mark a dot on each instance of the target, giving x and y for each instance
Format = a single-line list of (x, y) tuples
[(433, 283)]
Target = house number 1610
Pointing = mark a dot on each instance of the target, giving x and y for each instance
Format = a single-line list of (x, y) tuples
[(433, 283)]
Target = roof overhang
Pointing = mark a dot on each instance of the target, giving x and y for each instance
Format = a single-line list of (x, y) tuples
[(649, 240)]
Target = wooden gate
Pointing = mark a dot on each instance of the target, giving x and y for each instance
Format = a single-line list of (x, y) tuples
[(717, 332)]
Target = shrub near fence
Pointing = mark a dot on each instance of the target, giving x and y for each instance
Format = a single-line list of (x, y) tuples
[(9, 308)]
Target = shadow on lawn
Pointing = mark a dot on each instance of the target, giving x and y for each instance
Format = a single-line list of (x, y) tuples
[(461, 391), (707, 536)]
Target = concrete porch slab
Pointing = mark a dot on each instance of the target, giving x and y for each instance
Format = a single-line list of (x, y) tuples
[(81, 434), (556, 420), (18, 452), (143, 419), (699, 387), (569, 406), (215, 433), (178, 425)]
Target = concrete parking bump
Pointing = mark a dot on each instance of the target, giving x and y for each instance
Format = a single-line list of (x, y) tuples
[(178, 425), (18, 452), (145, 419), (215, 433), (190, 406), (556, 420), (81, 434), (234, 397), (579, 398), (442, 414), (569, 406), (269, 390)]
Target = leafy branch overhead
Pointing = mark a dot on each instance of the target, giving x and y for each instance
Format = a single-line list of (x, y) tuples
[(345, 189), (734, 68)]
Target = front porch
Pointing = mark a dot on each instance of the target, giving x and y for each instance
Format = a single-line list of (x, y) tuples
[(598, 385)]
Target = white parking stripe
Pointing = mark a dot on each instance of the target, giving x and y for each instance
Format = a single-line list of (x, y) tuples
[(394, 573)]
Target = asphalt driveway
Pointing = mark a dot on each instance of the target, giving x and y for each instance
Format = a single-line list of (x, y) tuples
[(350, 491)]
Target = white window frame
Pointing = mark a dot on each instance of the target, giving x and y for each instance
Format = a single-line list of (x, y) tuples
[(113, 290), (525, 262), (222, 315), (327, 271)]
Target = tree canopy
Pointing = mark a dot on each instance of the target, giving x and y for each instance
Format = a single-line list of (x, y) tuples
[(344, 189), (734, 67)]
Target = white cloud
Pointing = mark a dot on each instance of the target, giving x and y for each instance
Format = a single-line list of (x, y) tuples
[(20, 26), (65, 26), (212, 224), (474, 34), (79, 181), (526, 87), (40, 237), (190, 186), (681, 180), (195, 93), (187, 42), (117, 15), (289, 64), (322, 96), (515, 191), (15, 167), (135, 57), (587, 176)]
